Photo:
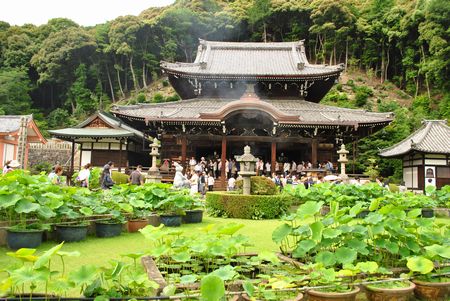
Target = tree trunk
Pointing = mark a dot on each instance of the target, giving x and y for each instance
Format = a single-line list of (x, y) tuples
[(265, 34), (120, 83), (135, 83), (346, 54), (113, 97), (144, 76), (387, 65), (426, 76), (382, 63)]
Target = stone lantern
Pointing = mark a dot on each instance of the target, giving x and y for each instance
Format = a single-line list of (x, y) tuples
[(247, 163), (343, 160), (153, 174)]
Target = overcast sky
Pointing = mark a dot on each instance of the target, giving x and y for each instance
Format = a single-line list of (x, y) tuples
[(84, 12)]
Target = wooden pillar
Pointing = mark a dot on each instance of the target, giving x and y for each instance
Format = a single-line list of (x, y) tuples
[(183, 150), (223, 158), (120, 156), (314, 144), (72, 159), (354, 156), (273, 156)]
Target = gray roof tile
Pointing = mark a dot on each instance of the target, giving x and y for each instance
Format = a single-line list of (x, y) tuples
[(432, 137), (11, 123), (250, 59), (307, 112)]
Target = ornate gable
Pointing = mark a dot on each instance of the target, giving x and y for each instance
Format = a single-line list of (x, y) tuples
[(97, 123)]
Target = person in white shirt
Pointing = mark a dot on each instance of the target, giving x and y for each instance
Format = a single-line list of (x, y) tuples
[(194, 183), (210, 182), (286, 168), (268, 166), (231, 183), (293, 167), (83, 175), (192, 163), (261, 167)]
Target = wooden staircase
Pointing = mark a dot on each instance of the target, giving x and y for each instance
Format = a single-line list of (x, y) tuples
[(218, 185)]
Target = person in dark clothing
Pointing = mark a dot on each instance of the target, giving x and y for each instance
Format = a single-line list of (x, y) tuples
[(106, 179), (136, 177)]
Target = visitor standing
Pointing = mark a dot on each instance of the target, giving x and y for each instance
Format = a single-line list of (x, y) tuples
[(136, 177), (402, 188), (84, 175), (202, 183), (227, 168), (293, 167), (10, 165), (286, 168), (231, 183), (219, 168), (106, 179), (55, 175), (215, 169), (268, 166), (194, 183), (233, 168), (210, 182), (261, 167), (192, 163)]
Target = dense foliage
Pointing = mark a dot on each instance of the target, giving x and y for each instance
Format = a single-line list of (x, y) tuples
[(25, 197), (65, 71), (351, 195), (247, 206), (259, 186)]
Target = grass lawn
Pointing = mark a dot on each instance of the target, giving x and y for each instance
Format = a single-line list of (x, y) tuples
[(98, 251)]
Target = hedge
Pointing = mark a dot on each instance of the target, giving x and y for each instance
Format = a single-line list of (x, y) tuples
[(259, 185), (247, 206)]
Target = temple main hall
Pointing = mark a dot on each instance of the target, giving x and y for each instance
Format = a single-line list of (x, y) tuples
[(265, 95)]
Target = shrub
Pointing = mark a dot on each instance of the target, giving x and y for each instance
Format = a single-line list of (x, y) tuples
[(158, 97), (339, 87), (165, 83), (362, 94), (174, 97), (141, 98), (119, 178), (259, 186), (41, 167), (247, 206)]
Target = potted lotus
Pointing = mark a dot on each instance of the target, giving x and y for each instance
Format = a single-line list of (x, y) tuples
[(171, 209), (194, 208), (113, 225), (78, 204), (23, 203), (396, 290), (429, 278), (331, 287)]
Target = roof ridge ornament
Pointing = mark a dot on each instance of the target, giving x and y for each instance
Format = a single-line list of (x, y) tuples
[(250, 93)]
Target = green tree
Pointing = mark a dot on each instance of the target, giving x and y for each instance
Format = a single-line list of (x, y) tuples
[(79, 96), (15, 87)]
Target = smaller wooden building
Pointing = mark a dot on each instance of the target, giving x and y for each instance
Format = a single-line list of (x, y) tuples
[(425, 155), (102, 138), (16, 134)]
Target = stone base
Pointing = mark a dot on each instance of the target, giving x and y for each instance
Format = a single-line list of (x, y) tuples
[(153, 179)]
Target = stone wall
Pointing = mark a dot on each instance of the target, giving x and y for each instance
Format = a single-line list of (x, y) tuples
[(55, 151)]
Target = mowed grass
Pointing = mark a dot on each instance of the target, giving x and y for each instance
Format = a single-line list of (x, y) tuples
[(98, 251)]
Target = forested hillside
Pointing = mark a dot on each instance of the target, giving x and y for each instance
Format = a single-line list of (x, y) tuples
[(62, 72)]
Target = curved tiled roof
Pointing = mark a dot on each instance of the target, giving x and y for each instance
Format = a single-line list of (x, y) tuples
[(432, 137), (11, 123), (307, 112), (235, 59)]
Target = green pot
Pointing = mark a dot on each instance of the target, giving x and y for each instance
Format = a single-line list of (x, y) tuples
[(71, 233), (105, 229), (193, 216), (17, 239)]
